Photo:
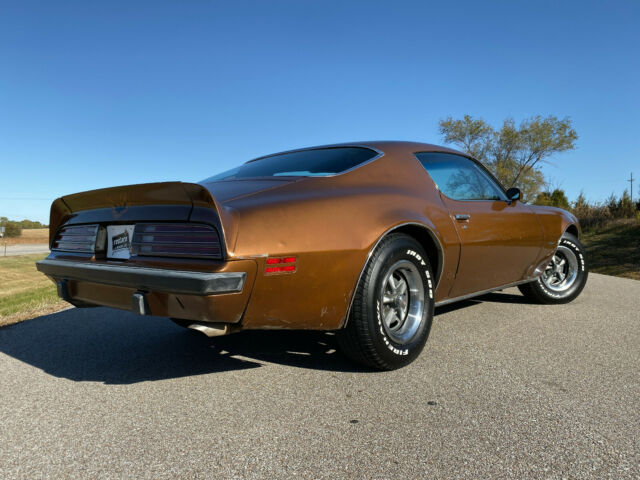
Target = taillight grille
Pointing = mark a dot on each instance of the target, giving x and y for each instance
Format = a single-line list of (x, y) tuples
[(176, 240), (78, 238)]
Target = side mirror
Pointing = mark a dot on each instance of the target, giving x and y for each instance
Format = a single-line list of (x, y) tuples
[(513, 194)]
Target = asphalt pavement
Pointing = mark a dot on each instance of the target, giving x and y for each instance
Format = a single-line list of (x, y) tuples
[(504, 389)]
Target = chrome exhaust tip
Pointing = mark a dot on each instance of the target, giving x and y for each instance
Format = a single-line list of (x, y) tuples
[(211, 329)]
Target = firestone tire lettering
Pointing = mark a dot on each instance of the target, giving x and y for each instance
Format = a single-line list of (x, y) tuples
[(365, 338)]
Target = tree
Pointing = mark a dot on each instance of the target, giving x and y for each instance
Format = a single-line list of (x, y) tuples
[(29, 224), (612, 205), (621, 207), (557, 198), (626, 208), (581, 201), (513, 153), (581, 207)]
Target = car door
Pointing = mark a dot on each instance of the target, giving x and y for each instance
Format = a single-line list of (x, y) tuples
[(499, 239)]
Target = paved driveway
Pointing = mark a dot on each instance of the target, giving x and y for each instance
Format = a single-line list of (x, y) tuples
[(26, 249), (503, 389)]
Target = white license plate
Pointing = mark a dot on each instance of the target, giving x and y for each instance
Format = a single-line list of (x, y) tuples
[(119, 239)]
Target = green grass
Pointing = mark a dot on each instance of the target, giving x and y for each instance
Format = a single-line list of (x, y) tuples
[(30, 300), (614, 249), (24, 292)]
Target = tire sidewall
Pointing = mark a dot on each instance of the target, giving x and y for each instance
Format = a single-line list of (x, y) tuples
[(395, 251), (573, 244)]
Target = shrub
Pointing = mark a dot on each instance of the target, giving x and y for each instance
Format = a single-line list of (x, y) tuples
[(14, 229), (591, 216), (11, 229), (596, 215), (28, 224)]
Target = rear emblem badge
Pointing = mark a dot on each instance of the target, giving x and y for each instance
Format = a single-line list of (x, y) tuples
[(120, 242)]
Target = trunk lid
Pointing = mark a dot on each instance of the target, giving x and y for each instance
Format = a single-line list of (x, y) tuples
[(166, 201), (228, 190)]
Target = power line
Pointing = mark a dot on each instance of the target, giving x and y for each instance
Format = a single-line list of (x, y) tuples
[(27, 198), (631, 182)]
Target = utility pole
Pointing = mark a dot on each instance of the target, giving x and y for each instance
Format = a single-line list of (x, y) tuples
[(631, 182)]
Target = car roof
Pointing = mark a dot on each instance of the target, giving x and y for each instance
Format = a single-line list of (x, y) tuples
[(408, 147), (385, 146)]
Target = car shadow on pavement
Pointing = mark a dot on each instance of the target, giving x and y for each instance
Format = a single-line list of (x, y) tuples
[(115, 347)]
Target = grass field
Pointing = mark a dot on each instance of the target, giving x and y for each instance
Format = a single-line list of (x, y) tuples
[(29, 236), (615, 249), (25, 292)]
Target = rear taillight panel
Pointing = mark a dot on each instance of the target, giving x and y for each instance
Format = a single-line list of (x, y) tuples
[(77, 238), (176, 240), (180, 240)]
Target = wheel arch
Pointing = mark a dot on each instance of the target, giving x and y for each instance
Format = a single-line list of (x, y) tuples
[(425, 236), (573, 230), (429, 241)]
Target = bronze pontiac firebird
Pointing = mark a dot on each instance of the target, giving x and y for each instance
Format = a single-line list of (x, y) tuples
[(360, 238)]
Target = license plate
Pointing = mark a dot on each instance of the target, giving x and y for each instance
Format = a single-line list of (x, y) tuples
[(119, 241)]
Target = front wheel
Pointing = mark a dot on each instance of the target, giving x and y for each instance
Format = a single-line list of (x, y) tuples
[(392, 308), (564, 277)]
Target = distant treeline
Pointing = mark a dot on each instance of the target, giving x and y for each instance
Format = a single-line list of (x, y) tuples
[(592, 215), (14, 228)]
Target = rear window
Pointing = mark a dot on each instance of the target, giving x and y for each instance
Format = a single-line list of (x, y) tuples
[(304, 163)]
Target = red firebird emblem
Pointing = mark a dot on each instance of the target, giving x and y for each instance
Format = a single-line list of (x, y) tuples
[(119, 206)]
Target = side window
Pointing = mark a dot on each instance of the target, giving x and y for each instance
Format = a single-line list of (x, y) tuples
[(460, 178)]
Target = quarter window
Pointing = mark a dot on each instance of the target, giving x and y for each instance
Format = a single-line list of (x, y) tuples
[(460, 178)]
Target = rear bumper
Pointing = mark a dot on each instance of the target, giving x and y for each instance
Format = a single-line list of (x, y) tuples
[(218, 296), (144, 278)]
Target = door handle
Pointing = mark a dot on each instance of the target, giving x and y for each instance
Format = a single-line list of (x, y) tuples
[(462, 217)]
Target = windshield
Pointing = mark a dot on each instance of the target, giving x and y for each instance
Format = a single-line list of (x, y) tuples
[(318, 162)]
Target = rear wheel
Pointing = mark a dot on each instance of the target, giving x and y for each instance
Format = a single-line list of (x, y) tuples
[(392, 309), (564, 277)]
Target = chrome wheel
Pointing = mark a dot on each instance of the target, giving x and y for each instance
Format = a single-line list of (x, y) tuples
[(402, 301), (562, 271)]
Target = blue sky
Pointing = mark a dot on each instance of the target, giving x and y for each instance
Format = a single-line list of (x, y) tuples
[(99, 94)]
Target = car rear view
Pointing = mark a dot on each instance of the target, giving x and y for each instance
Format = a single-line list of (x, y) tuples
[(154, 248)]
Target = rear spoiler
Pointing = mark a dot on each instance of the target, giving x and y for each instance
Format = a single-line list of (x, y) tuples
[(113, 204)]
